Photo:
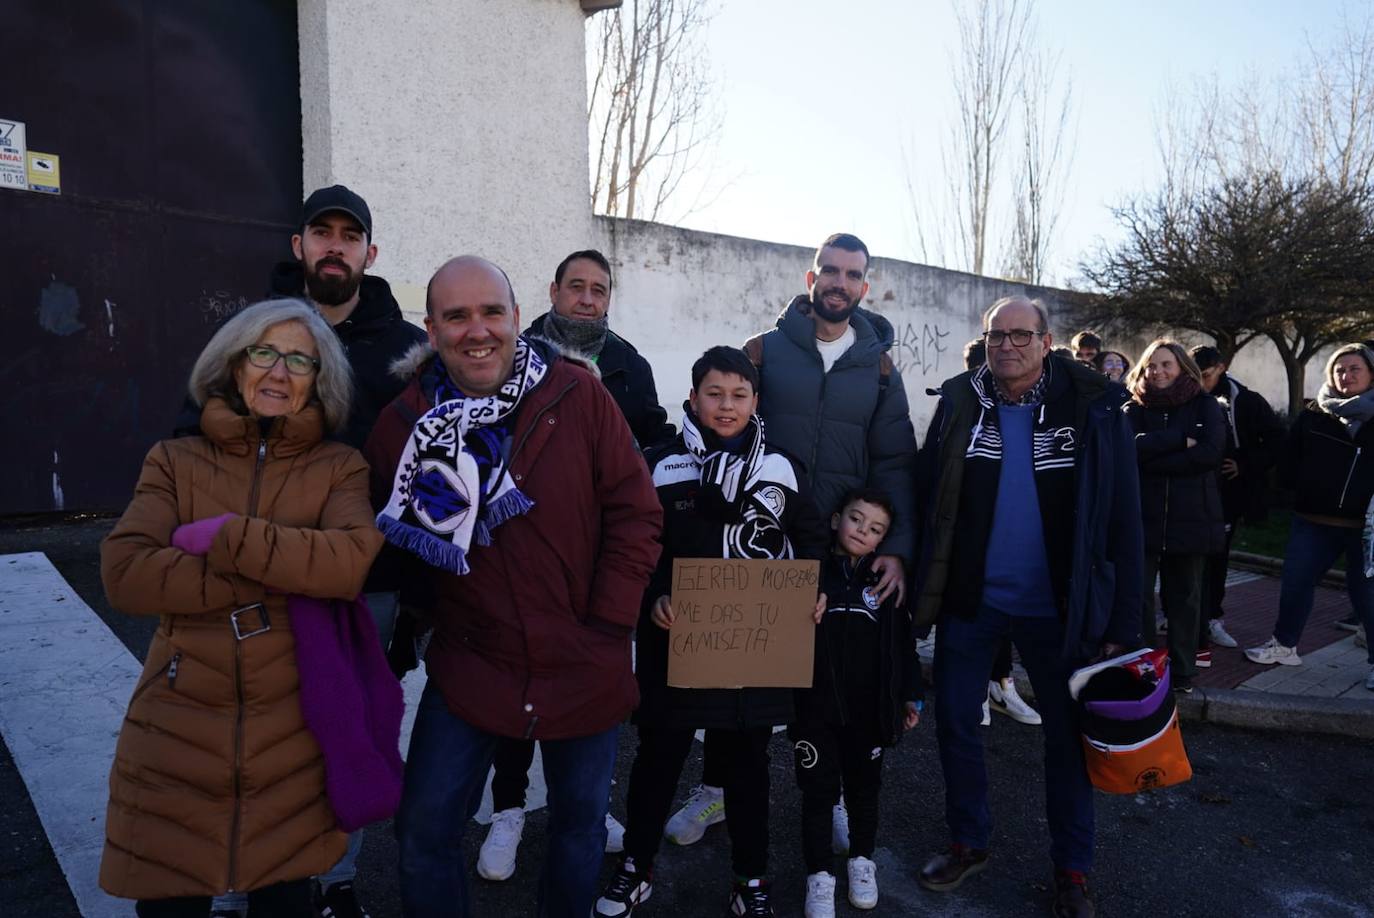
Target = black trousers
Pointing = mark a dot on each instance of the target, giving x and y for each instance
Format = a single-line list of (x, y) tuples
[(742, 757), (1182, 587), (281, 900), (832, 760), (512, 778), (1215, 579), (1001, 666)]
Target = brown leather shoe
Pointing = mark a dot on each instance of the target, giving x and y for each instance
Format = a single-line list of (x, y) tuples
[(946, 871), (1071, 895)]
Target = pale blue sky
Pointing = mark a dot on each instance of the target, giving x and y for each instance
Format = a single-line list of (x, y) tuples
[(821, 97)]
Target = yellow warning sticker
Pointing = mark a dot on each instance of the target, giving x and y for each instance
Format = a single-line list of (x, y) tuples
[(45, 172)]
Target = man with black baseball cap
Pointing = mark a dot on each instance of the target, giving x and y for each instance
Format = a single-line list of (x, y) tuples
[(332, 251)]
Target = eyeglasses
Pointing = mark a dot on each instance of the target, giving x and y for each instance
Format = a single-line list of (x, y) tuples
[(1020, 337), (265, 358)]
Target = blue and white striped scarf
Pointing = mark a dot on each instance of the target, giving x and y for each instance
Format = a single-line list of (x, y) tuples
[(451, 483)]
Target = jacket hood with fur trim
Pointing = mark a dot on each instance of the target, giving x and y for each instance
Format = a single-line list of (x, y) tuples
[(410, 363)]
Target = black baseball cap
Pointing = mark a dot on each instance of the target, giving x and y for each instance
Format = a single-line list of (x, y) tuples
[(340, 198)]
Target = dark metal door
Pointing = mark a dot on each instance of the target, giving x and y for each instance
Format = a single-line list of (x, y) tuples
[(178, 126)]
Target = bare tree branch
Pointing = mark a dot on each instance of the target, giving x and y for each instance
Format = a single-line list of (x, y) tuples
[(651, 106)]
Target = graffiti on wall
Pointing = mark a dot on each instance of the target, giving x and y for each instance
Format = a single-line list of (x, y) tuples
[(919, 347)]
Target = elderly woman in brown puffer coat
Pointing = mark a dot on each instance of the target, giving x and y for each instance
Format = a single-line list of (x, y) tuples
[(217, 783)]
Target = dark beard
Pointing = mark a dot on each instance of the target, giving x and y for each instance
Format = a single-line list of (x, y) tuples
[(828, 314), (331, 291)]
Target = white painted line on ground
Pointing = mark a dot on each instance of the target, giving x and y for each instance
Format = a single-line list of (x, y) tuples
[(65, 682)]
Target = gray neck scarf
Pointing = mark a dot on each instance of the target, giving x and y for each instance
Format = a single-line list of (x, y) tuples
[(1353, 412), (587, 336)]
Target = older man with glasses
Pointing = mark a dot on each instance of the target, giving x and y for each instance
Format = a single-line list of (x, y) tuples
[(1031, 518)]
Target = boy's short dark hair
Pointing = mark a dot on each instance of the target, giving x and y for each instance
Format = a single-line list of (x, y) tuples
[(975, 354), (1205, 356), (724, 360), (591, 255), (1086, 339), (869, 496)]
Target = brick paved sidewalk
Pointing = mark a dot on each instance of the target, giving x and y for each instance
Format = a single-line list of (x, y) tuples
[(1332, 665)]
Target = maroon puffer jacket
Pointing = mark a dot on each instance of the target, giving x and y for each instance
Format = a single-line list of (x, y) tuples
[(535, 640)]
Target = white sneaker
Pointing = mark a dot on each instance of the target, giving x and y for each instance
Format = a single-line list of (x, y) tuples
[(1004, 698), (496, 860), (839, 828), (863, 883), (1369, 681), (820, 896), (1220, 637), (1274, 652), (987, 717), (703, 809), (615, 835)]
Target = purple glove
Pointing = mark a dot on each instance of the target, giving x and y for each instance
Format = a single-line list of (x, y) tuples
[(195, 538)]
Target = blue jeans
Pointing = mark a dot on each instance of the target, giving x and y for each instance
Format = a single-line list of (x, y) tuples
[(964, 653), (446, 771), (1312, 549)]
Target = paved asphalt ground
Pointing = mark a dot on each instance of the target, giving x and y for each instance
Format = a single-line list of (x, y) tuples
[(1272, 824)]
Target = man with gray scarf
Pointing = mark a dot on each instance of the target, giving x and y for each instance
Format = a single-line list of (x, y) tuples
[(578, 322)]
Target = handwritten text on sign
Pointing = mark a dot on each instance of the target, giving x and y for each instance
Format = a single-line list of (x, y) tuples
[(742, 623)]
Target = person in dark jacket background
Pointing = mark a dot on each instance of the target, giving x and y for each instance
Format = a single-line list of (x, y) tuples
[(1030, 518), (865, 693), (833, 399), (725, 492), (1180, 435), (578, 321), (1254, 438), (1329, 462)]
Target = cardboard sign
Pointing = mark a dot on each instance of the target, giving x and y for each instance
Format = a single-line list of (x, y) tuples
[(742, 623)]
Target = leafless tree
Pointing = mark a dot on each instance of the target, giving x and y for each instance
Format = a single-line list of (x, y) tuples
[(1047, 140), (992, 35), (1006, 150), (651, 112)]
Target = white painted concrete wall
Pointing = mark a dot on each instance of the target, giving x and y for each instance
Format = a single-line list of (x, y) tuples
[(680, 291), (461, 122)]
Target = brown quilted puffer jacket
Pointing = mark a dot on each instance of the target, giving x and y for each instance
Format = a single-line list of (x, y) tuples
[(217, 784)]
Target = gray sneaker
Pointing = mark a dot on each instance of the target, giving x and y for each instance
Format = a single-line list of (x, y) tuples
[(1274, 652)]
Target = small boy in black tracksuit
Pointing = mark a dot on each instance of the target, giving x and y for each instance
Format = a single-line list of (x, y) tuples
[(865, 694)]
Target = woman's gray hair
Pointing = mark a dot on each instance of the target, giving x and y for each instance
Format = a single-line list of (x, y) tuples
[(213, 374), (1345, 350)]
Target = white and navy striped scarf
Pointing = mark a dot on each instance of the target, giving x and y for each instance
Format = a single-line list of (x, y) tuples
[(734, 491), (450, 486), (1052, 447)]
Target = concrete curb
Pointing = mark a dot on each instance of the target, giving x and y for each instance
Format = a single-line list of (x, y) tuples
[(1263, 564), (1270, 711), (1253, 710)]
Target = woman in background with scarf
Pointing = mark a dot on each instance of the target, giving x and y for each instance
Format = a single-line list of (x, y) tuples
[(1329, 462), (1180, 434)]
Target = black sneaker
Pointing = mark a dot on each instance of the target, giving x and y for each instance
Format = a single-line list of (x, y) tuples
[(629, 887), (1349, 623), (751, 898), (338, 901)]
